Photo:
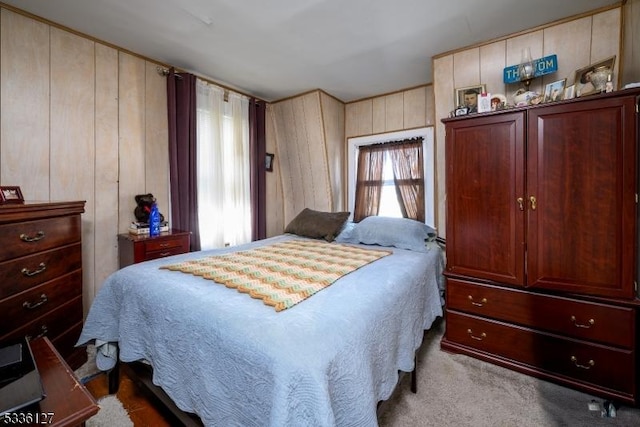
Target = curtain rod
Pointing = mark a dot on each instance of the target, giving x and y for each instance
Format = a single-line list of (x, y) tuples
[(163, 71)]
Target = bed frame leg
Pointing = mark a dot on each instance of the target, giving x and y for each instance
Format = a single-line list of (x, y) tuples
[(414, 374), (113, 377)]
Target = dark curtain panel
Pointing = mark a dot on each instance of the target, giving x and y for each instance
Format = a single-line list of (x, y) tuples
[(368, 181), (257, 142), (408, 177), (181, 100)]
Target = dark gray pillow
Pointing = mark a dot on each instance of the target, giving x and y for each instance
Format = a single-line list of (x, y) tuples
[(317, 225)]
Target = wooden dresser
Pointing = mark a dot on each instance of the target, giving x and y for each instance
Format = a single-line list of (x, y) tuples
[(41, 274), (137, 248), (542, 232)]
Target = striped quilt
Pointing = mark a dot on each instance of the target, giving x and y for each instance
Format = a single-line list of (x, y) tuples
[(282, 274)]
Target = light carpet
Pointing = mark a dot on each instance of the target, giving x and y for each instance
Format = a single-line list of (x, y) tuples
[(456, 390)]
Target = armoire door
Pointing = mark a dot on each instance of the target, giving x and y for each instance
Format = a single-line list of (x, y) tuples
[(581, 192), (485, 190)]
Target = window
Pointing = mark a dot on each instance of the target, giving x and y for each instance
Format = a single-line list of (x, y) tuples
[(389, 205), (224, 203)]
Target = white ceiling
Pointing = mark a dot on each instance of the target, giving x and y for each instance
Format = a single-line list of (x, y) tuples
[(272, 49)]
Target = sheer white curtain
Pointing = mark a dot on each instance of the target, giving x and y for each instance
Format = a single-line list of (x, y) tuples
[(224, 203)]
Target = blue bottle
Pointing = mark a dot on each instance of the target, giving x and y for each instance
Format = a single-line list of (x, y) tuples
[(154, 221)]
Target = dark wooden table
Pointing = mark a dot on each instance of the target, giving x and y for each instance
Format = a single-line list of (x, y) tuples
[(67, 402)]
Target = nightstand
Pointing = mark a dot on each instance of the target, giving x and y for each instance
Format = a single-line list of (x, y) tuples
[(138, 248)]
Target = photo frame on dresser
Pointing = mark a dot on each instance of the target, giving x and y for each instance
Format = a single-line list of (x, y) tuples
[(11, 194)]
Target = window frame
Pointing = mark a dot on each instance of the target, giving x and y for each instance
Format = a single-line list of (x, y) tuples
[(428, 147)]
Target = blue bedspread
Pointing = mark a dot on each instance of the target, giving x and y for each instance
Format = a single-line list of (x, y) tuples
[(236, 362)]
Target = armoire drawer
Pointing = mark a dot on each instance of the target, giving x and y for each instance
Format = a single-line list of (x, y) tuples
[(587, 320), (27, 237), (25, 306), (20, 274), (596, 364)]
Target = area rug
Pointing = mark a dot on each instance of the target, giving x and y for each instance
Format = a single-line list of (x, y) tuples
[(111, 414)]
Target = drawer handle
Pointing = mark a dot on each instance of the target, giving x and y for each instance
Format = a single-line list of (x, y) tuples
[(578, 325), (31, 305), (480, 338), (43, 331), (39, 236), (575, 362), (164, 245), (41, 267), (482, 302), (163, 254)]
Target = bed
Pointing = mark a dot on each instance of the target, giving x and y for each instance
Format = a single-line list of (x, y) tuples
[(235, 361)]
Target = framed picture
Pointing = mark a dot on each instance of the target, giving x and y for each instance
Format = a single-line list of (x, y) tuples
[(583, 75), (11, 195), (268, 162), (554, 91), (570, 92), (467, 97)]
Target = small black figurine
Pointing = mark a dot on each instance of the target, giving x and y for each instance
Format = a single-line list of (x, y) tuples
[(143, 208)]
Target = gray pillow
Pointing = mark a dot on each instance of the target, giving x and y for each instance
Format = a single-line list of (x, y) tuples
[(317, 225), (401, 233)]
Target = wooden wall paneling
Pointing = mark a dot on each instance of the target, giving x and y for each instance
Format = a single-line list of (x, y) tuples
[(72, 136), (492, 64), (350, 120), (290, 166), (378, 115), (466, 68), (394, 111), (333, 121), (106, 168), (430, 109), (362, 118), (534, 41), (131, 118), (606, 33), (415, 108), (631, 43), (24, 122), (555, 40), (274, 194), (314, 154), (156, 137), (443, 89)]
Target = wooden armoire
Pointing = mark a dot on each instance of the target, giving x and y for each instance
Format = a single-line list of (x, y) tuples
[(542, 241)]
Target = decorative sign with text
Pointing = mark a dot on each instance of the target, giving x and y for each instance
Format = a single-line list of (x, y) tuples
[(542, 66)]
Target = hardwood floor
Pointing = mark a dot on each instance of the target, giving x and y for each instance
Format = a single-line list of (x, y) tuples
[(140, 406)]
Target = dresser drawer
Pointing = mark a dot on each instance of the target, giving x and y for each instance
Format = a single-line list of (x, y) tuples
[(27, 237), (20, 274), (23, 307), (51, 324), (581, 319), (595, 364)]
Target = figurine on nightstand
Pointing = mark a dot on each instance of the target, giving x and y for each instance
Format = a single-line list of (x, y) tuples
[(143, 208)]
